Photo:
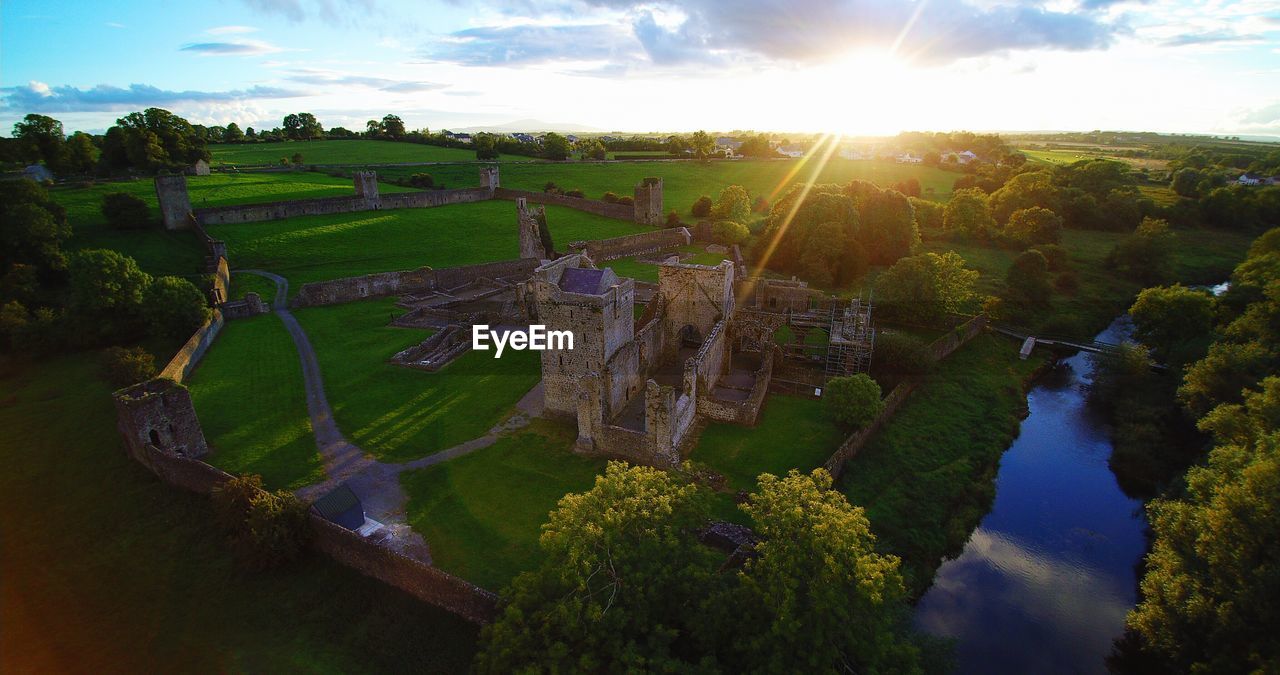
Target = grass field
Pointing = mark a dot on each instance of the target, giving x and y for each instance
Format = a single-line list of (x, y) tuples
[(399, 413), (1044, 155), (249, 394), (684, 182), (483, 512), (792, 433), (927, 478), (314, 248), (108, 570), (242, 283), (337, 152), (646, 271)]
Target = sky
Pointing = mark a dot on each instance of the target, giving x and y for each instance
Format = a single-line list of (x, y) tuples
[(855, 67)]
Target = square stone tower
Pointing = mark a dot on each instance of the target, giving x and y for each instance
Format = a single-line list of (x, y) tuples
[(489, 178), (159, 413), (366, 183), (648, 202), (175, 204), (535, 238)]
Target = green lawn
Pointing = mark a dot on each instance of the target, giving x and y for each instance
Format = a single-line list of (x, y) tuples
[(106, 569), (792, 433), (398, 413), (337, 152), (927, 478), (248, 392), (315, 248), (242, 283), (645, 271), (482, 513)]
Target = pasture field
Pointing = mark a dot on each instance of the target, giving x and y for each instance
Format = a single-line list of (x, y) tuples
[(1044, 155), (482, 513), (242, 283), (121, 573), (399, 414), (927, 478), (793, 433), (249, 394), (335, 152), (685, 181), (315, 248), (645, 271)]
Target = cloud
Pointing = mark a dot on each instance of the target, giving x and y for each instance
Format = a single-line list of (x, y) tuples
[(331, 77), (1104, 4), (715, 32), (115, 24), (237, 48), (1209, 38), (330, 11), (1266, 116), (231, 30), (40, 97), (413, 87)]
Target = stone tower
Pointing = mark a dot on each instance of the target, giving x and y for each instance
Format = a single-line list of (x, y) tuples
[(159, 413), (366, 183), (535, 238), (175, 204), (648, 202), (489, 177)]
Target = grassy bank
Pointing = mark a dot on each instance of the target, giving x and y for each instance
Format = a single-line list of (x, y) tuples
[(399, 413), (336, 152), (927, 478), (792, 433), (483, 512), (248, 392), (108, 570)]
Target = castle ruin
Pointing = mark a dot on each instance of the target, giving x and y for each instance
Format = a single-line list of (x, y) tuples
[(535, 238), (647, 202), (159, 413)]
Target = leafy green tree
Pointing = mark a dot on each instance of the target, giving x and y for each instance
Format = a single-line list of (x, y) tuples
[(701, 207), (1024, 191), (1027, 281), (593, 149), (927, 287), (900, 355), (733, 204), (888, 226), (392, 127), (1147, 254), (967, 214), (233, 134), (153, 139), (1208, 595), (555, 146), (174, 307), (621, 584), (853, 401), (40, 138), (486, 146), (106, 294), (818, 597), (1033, 226), (928, 213), (266, 530), (80, 154), (702, 144), (124, 211), (727, 232), (1174, 321), (292, 125), (124, 366), (32, 228), (309, 127), (1223, 374), (422, 181)]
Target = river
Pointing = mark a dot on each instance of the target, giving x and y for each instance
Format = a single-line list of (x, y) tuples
[(1044, 583)]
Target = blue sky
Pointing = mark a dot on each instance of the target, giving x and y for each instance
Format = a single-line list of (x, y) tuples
[(852, 66)]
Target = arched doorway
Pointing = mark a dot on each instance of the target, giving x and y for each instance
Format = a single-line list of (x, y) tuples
[(690, 337)]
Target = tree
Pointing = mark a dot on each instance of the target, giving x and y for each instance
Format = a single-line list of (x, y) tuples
[(80, 155), (817, 597), (1223, 374), (1027, 280), (174, 307), (967, 214), (926, 287), (702, 144), (928, 213), (422, 181), (592, 148), (733, 204), (701, 207), (153, 139), (1034, 225), (233, 134), (486, 146), (296, 159), (392, 127), (106, 294), (888, 226), (309, 127), (40, 138), (852, 401), (292, 124), (555, 146), (1208, 595), (265, 529), (728, 232), (32, 228), (1176, 322), (620, 583), (1147, 254), (124, 211), (124, 366)]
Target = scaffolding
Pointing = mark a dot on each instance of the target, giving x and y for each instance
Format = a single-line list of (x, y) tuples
[(851, 340)]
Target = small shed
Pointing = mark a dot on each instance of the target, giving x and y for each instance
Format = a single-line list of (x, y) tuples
[(342, 507), (38, 173)]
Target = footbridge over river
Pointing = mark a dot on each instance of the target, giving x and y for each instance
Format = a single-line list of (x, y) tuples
[(1030, 341)]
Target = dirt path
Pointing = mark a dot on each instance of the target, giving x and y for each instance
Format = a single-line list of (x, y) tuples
[(377, 483)]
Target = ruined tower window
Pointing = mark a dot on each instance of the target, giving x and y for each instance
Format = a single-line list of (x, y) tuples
[(155, 438)]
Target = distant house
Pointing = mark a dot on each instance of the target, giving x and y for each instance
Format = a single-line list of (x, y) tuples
[(729, 146), (522, 137), (961, 158), (792, 150), (462, 138), (571, 138), (908, 158), (1251, 179), (38, 173)]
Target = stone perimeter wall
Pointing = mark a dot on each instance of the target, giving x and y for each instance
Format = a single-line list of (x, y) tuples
[(601, 250), (382, 284), (424, 582), (245, 213), (594, 206), (188, 357)]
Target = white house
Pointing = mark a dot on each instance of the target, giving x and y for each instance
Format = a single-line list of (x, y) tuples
[(1251, 179), (908, 158), (729, 146), (792, 150), (961, 158)]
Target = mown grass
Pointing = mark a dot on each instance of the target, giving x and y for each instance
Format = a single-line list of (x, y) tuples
[(315, 248), (647, 271), (248, 392), (792, 433), (928, 477), (243, 282), (106, 569), (482, 513), (684, 182), (397, 413), (336, 152)]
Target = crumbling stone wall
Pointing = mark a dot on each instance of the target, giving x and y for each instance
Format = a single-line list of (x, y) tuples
[(184, 362), (745, 412), (382, 284), (645, 243), (489, 180), (696, 295), (175, 204), (159, 413), (647, 204), (366, 184), (535, 238), (251, 305), (593, 206)]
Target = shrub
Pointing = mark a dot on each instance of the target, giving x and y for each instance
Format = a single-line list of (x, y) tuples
[(123, 366), (673, 219), (174, 307), (761, 205), (125, 212), (422, 180), (552, 188), (1067, 282), (701, 207), (297, 159), (1033, 226), (626, 201), (729, 233), (733, 204), (265, 529), (852, 401), (900, 354), (1055, 255), (1027, 280), (579, 194), (610, 197)]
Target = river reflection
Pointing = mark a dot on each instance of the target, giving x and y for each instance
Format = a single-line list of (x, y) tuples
[(1045, 581)]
